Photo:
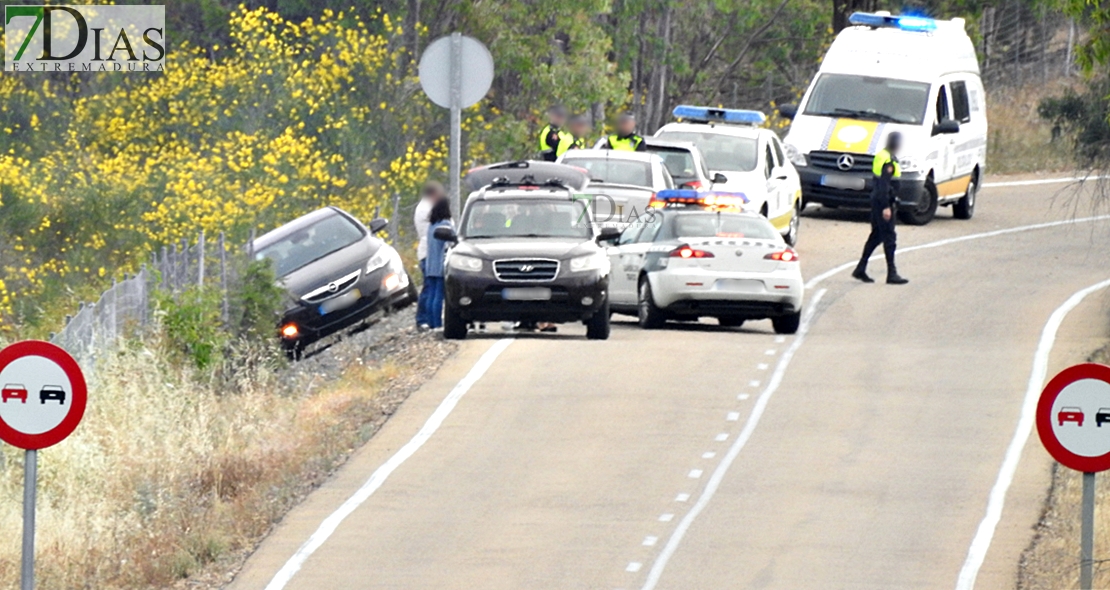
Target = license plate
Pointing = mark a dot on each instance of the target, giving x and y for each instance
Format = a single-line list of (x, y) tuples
[(740, 285), (526, 294), (843, 181), (340, 303)]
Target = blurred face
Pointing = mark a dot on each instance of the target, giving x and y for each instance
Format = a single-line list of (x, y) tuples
[(626, 126), (556, 119), (580, 129), (433, 193)]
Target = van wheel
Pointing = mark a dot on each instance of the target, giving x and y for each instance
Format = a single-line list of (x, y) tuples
[(651, 317), (965, 207), (925, 209), (597, 327), (787, 324), (454, 327)]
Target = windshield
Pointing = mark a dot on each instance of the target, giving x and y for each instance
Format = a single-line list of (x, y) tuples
[(722, 152), (708, 224), (528, 219), (864, 97), (312, 243), (678, 162), (605, 170)]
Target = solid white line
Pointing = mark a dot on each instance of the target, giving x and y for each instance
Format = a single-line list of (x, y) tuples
[(332, 522), (977, 552), (722, 468), (1041, 181)]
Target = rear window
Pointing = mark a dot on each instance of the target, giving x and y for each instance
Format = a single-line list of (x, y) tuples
[(310, 244), (722, 152), (605, 170), (722, 225)]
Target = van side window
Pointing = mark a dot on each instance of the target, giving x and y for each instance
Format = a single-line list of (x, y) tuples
[(961, 109), (942, 105)]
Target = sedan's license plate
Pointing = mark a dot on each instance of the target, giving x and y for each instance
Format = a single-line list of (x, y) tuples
[(843, 181), (526, 294), (740, 285), (339, 303)]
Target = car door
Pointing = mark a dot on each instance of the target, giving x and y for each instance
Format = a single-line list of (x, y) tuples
[(774, 182), (792, 185), (618, 289), (632, 257), (943, 144), (964, 148)]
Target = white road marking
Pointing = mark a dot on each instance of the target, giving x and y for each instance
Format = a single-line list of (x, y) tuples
[(770, 352), (977, 552), (780, 339), (694, 473), (742, 396), (666, 517), (332, 522), (763, 366), (733, 416), (722, 437), (753, 383), (1041, 181), (650, 541), (682, 498), (634, 567), (708, 455)]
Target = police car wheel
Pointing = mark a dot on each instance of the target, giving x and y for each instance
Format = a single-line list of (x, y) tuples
[(454, 327), (925, 209), (787, 324), (965, 207), (651, 317), (597, 327), (791, 235)]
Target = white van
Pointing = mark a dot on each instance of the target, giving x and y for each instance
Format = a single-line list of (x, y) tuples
[(914, 75)]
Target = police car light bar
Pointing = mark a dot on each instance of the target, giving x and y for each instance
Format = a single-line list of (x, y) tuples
[(714, 115), (707, 199), (905, 22)]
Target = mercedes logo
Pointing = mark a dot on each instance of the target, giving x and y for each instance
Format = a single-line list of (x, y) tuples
[(845, 162), (739, 252), (527, 268), (333, 287)]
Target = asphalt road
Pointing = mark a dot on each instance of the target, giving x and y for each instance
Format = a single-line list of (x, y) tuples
[(858, 455)]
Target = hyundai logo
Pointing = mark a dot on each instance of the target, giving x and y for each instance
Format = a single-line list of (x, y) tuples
[(845, 162), (527, 268)]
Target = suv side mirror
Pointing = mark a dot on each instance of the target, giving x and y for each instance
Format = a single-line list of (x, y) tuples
[(378, 225), (608, 234), (719, 178), (788, 111), (446, 234), (946, 126)]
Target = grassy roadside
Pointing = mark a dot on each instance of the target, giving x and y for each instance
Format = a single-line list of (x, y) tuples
[(169, 477), (1020, 141)]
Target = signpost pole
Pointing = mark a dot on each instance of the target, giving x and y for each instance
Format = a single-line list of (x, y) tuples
[(30, 480), (456, 121), (1087, 533)]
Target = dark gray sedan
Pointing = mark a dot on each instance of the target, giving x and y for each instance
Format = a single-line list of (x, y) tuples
[(336, 271)]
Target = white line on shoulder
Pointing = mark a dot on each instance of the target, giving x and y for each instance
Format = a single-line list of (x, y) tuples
[(1041, 181)]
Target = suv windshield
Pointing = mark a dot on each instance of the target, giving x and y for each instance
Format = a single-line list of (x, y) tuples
[(610, 171), (531, 218), (307, 245), (707, 224), (722, 152), (873, 99)]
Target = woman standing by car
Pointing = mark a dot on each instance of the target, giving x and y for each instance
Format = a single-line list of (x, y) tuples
[(440, 216)]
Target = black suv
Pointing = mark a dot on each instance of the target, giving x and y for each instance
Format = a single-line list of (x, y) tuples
[(527, 250)]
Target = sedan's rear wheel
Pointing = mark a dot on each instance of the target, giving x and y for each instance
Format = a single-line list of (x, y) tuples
[(787, 324), (651, 317)]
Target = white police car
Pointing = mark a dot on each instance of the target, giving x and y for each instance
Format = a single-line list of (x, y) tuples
[(699, 254), (750, 157)]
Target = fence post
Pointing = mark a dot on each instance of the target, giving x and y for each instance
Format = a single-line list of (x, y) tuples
[(165, 269), (394, 219), (173, 267), (183, 278), (225, 313), (144, 296), (113, 313), (250, 246), (200, 259)]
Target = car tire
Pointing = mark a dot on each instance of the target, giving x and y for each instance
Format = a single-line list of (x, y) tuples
[(294, 352), (965, 207), (791, 235), (651, 317), (730, 322), (787, 324), (597, 327), (454, 326), (925, 209)]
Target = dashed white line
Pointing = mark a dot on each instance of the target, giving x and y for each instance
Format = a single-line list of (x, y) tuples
[(733, 416), (634, 567), (694, 473), (666, 517), (708, 455), (763, 366), (780, 339), (770, 352), (722, 437), (753, 383), (682, 498), (650, 541), (743, 396)]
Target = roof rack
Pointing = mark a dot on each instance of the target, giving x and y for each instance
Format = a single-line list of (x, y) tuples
[(527, 173)]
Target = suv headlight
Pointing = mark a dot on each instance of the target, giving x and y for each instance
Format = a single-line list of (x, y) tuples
[(795, 155), (464, 263), (596, 261), (382, 257)]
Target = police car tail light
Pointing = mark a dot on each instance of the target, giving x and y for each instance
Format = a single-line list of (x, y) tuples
[(786, 255), (688, 252)]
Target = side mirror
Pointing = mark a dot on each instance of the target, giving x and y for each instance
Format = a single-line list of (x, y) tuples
[(946, 126), (446, 234), (378, 225), (608, 234), (719, 178), (788, 111)]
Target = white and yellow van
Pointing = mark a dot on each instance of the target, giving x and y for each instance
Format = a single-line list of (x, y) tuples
[(914, 75)]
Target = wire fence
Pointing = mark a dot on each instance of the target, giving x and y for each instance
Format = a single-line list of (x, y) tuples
[(1021, 43)]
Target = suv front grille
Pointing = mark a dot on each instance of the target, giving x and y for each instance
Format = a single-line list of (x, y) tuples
[(333, 288), (830, 161), (526, 269)]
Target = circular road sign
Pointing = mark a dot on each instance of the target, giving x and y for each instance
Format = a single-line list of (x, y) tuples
[(42, 395), (476, 75), (1073, 417)]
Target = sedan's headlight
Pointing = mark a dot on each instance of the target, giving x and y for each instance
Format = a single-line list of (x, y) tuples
[(596, 261), (795, 155), (464, 263), (382, 257)]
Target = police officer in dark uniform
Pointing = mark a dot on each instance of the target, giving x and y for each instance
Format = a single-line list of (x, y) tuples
[(884, 202), (554, 140), (626, 138)]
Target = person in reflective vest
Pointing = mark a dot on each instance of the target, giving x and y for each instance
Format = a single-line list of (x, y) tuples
[(626, 138), (554, 141), (580, 128), (884, 203)]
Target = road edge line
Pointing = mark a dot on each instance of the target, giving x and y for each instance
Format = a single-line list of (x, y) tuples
[(1041, 181), (981, 542), (738, 445), (381, 474)]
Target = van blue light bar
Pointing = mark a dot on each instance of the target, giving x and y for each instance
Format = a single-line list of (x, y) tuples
[(715, 115), (905, 22)]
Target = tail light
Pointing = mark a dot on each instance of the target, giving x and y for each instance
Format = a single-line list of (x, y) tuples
[(290, 331), (693, 184), (688, 252), (786, 255)]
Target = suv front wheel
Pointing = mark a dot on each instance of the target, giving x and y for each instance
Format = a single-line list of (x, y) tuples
[(597, 327), (454, 327)]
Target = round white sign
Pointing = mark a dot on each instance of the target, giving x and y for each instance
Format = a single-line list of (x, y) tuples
[(476, 74), (35, 395), (1081, 417)]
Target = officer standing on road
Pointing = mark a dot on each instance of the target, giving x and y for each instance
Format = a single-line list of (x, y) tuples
[(554, 141), (626, 138), (580, 128), (884, 198)]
